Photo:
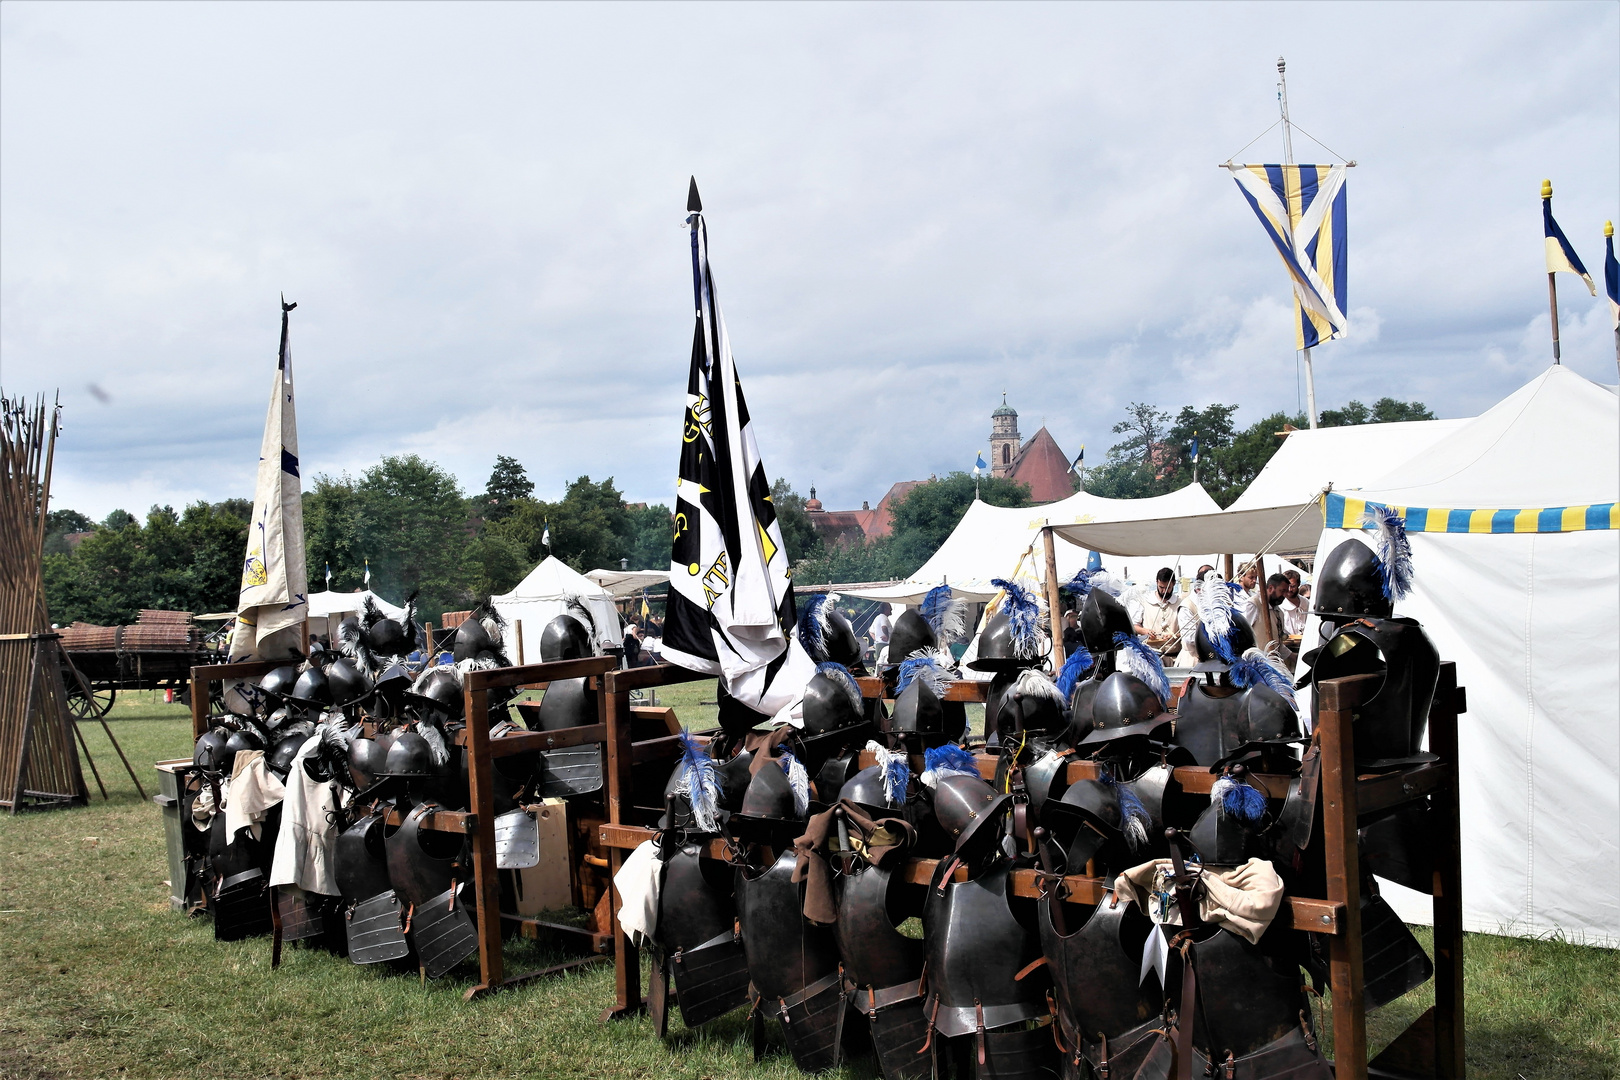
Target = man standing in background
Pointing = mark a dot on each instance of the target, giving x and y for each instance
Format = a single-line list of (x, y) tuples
[(1154, 613)]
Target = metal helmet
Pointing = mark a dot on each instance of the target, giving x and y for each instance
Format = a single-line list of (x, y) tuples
[(1084, 822), (238, 741), (568, 703), (473, 640), (1001, 648), (279, 683), (1350, 585), (867, 790), (831, 701), (312, 688), (826, 634), (1101, 617), (911, 632), (919, 713), (391, 687), (564, 638), (1240, 641), (1033, 705), (409, 757), (390, 637), (346, 682), (1223, 837), (971, 812), (280, 758), (439, 692), (1267, 716), (1124, 705), (209, 753), (368, 759), (997, 696), (769, 794)]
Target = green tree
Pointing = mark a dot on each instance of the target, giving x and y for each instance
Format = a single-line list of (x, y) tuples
[(1239, 463), (416, 532), (336, 522), (926, 515), (119, 519), (798, 535), (591, 527), (494, 565), (650, 529), (507, 484), (870, 560), (1144, 427), (58, 524), (1386, 410)]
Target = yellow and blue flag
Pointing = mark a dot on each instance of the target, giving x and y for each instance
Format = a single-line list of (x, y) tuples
[(1611, 273), (1302, 208), (1561, 258)]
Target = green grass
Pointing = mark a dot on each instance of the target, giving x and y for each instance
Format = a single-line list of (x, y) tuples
[(99, 978)]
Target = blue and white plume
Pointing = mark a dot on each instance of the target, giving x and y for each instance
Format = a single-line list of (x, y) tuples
[(1023, 617), (1233, 798), (1394, 550), (896, 772), (840, 675), (813, 624), (1216, 610), (1035, 683), (1136, 658), (799, 781), (922, 664), (1255, 668), (699, 783), (1134, 819), (948, 760), (1080, 584), (946, 615)]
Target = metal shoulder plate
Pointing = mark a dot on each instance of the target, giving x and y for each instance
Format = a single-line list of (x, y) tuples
[(375, 929), (1209, 726), (443, 932)]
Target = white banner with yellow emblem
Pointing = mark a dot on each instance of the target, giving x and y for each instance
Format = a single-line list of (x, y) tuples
[(275, 587)]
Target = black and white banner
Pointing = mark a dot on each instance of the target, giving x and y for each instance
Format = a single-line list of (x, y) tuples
[(730, 607)]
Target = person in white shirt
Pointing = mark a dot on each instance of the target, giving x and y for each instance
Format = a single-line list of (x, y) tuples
[(1295, 608), (1187, 623), (880, 627), (1153, 613), (1249, 600)]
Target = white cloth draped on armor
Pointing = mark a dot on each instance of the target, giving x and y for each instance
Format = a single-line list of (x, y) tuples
[(730, 610), (637, 884), (273, 603), (255, 790), (306, 846)]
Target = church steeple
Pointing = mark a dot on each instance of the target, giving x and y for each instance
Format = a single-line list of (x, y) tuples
[(1004, 438)]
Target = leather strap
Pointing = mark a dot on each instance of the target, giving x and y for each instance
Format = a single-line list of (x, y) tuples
[(800, 996), (1028, 968)]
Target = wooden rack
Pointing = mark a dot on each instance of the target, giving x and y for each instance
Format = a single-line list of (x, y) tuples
[(1431, 1047)]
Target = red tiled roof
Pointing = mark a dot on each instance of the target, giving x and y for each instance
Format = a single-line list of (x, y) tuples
[(1043, 466)]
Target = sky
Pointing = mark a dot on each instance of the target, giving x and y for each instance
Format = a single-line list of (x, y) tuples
[(911, 209)]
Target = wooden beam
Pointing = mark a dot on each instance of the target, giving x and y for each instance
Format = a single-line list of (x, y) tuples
[(1052, 599), (486, 878), (1449, 1043), (1336, 731)]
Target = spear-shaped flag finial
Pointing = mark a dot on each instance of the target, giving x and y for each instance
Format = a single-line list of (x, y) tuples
[(286, 306), (694, 205)]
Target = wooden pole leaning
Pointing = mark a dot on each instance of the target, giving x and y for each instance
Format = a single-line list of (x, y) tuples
[(1053, 601)]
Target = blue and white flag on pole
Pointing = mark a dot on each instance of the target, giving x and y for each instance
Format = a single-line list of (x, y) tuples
[(1302, 208), (1611, 273), (273, 602), (1195, 446), (1561, 258), (979, 466), (730, 610)]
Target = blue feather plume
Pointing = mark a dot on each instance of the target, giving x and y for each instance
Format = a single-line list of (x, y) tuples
[(1074, 669), (1134, 820), (810, 627), (1254, 669), (1394, 550), (896, 778), (1239, 800), (1080, 584), (948, 760), (1136, 658), (701, 784), (922, 665), (1023, 617), (840, 674)]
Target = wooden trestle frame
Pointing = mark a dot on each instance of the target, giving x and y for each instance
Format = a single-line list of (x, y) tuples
[(613, 728), (1431, 1047)]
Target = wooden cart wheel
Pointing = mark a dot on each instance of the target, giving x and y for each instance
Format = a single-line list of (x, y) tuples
[(88, 701)]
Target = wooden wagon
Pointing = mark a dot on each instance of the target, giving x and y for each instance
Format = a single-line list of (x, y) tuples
[(156, 652)]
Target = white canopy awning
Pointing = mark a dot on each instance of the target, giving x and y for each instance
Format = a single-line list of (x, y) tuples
[(627, 582), (989, 542), (1268, 511), (323, 604)]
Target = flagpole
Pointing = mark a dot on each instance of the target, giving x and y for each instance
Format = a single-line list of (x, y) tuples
[(1608, 262), (1288, 159), (1552, 285)]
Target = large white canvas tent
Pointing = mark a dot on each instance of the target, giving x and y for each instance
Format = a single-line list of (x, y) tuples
[(544, 595), (1516, 564), (990, 540), (327, 609), (1269, 510)]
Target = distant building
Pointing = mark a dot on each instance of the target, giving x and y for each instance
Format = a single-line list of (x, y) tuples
[(853, 526), (1039, 464)]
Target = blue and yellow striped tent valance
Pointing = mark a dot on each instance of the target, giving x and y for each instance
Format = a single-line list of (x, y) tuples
[(1346, 512)]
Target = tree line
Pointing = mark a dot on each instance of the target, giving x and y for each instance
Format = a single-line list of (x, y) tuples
[(411, 520)]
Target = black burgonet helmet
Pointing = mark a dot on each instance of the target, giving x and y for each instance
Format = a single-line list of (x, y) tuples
[(1083, 823), (564, 638), (347, 683), (971, 813), (368, 759), (390, 637), (911, 632), (1124, 705), (279, 683), (1241, 641), (280, 758), (1101, 618), (209, 753), (867, 790), (237, 742), (312, 689), (410, 757), (1350, 585), (440, 693), (997, 649), (831, 701), (919, 715)]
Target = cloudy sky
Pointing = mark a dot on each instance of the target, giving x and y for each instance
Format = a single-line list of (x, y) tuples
[(911, 209)]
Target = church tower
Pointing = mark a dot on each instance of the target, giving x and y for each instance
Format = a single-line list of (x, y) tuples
[(1004, 440)]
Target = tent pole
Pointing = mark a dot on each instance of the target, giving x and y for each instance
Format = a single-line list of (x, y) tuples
[(1053, 611)]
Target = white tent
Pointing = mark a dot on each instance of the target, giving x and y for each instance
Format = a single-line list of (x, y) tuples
[(1268, 511), (990, 540), (324, 604), (627, 582), (543, 595), (1532, 619)]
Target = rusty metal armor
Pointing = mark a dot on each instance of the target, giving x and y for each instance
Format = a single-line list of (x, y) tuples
[(427, 872), (884, 968), (1105, 1012)]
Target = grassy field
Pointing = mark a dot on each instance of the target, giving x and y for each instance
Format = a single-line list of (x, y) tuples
[(99, 978)]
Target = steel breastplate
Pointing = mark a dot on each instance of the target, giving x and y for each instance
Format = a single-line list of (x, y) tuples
[(360, 861), (1244, 1004), (786, 953), (1391, 724), (875, 953), (1208, 726), (975, 950), (1097, 969), (422, 862), (695, 902)]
